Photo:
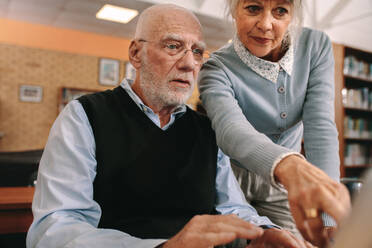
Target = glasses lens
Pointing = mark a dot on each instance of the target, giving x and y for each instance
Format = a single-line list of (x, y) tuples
[(198, 55), (177, 49), (173, 47)]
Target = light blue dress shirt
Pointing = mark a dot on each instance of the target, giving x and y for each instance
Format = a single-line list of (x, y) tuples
[(65, 214)]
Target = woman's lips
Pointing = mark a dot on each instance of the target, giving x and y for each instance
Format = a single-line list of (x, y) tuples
[(261, 40)]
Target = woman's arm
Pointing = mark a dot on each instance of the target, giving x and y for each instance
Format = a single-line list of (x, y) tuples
[(235, 135), (320, 132)]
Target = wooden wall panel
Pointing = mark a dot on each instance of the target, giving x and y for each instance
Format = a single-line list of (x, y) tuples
[(338, 51), (26, 125)]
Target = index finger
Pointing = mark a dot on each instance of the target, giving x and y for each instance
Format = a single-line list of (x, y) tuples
[(337, 206), (231, 223)]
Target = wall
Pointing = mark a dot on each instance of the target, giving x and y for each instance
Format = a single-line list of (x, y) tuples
[(347, 22), (51, 58), (60, 39), (26, 125)]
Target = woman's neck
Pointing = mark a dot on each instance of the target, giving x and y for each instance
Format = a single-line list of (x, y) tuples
[(276, 54)]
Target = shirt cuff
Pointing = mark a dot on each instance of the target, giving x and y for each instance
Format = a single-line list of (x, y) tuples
[(328, 220), (275, 184), (270, 226), (160, 246)]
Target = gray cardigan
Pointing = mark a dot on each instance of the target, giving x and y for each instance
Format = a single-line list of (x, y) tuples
[(257, 121)]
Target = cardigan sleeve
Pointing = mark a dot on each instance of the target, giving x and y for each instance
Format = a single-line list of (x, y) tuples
[(320, 132), (235, 135)]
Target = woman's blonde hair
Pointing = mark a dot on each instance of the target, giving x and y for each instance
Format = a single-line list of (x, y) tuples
[(294, 28)]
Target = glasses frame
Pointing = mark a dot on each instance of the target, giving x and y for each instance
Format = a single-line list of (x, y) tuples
[(179, 55)]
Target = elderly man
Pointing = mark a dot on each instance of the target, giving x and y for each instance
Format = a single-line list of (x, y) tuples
[(135, 167)]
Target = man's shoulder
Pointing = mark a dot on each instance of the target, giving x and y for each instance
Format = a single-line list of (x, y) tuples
[(101, 97), (97, 95), (197, 114), (201, 118)]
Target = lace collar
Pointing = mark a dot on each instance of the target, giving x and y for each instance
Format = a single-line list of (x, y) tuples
[(266, 69)]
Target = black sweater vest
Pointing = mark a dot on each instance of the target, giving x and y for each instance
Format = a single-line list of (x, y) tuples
[(149, 182)]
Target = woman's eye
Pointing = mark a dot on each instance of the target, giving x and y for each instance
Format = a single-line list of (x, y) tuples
[(281, 11), (253, 8)]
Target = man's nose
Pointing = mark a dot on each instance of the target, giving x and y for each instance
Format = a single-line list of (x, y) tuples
[(187, 62)]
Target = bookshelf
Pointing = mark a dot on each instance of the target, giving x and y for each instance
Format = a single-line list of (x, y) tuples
[(353, 106)]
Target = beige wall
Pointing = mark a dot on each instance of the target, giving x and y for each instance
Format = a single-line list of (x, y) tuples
[(60, 39), (26, 125), (39, 56)]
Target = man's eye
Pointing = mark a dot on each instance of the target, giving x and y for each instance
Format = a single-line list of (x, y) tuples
[(172, 46), (198, 51), (253, 8)]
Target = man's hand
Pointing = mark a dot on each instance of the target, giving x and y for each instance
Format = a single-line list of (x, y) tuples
[(273, 238), (206, 231), (310, 192)]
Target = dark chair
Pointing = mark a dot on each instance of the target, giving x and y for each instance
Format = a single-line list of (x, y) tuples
[(19, 168)]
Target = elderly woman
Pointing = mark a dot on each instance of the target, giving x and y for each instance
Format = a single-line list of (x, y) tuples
[(264, 92)]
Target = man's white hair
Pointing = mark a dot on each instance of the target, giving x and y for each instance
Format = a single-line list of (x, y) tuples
[(156, 11)]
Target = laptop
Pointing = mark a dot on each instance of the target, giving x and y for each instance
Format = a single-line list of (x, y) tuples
[(356, 230)]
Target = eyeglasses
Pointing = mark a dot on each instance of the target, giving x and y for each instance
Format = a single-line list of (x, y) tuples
[(177, 49)]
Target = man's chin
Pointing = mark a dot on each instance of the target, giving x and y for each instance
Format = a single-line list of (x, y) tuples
[(179, 99)]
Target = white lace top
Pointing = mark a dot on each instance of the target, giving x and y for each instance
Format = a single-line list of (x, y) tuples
[(266, 69)]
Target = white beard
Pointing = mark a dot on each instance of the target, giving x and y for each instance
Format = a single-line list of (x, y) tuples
[(159, 92)]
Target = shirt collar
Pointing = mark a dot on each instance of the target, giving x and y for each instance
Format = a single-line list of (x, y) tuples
[(266, 69), (126, 85)]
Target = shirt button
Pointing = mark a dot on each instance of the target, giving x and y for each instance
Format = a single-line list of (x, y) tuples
[(283, 115), (281, 89)]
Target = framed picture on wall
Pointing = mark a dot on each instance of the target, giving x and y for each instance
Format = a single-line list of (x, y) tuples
[(108, 71), (68, 94), (30, 93)]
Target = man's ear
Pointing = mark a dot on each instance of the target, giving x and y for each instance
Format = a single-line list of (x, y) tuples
[(134, 54)]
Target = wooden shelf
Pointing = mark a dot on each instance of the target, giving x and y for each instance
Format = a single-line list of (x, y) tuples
[(358, 139), (358, 166), (358, 109), (16, 197), (15, 209), (367, 80)]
